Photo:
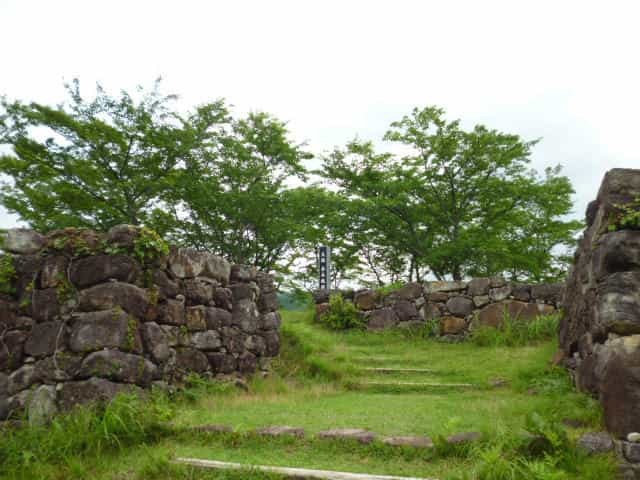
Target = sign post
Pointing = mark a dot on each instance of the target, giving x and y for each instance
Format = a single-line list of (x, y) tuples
[(324, 267)]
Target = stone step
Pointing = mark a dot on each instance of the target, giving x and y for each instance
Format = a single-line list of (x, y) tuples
[(361, 385), (299, 473), (395, 370)]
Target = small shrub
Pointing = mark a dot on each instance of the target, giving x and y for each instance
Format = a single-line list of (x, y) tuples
[(627, 218), (7, 275), (390, 288), (149, 246), (342, 314)]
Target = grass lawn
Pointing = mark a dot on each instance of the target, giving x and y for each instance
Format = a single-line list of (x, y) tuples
[(323, 380)]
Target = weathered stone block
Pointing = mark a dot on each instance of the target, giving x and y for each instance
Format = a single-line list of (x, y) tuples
[(106, 296), (522, 292), (480, 301), (92, 390), (434, 287), (256, 345), (479, 286), (549, 293), (269, 321), (172, 313), (268, 302), (410, 291), (60, 367), (405, 310), (11, 350), (500, 293), (95, 269), (245, 314), (207, 340), (45, 338), (196, 318), (247, 363), (493, 315), (191, 360), (382, 318), (243, 273), (155, 341), (118, 366), (41, 406), (366, 299), (167, 288), (452, 325), (197, 291), (23, 241), (222, 362), (45, 306), (106, 329), (460, 306), (22, 379), (272, 343), (222, 298), (216, 318), (54, 271), (618, 304)]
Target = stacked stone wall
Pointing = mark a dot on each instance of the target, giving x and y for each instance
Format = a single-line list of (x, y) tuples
[(457, 307), (85, 315), (600, 333)]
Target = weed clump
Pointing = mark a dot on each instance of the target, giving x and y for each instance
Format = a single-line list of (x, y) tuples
[(342, 315), (7, 275), (515, 332)]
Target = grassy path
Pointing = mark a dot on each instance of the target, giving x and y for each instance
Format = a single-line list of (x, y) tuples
[(320, 382)]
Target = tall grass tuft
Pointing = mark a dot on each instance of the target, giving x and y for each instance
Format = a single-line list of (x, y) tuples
[(86, 431), (516, 332)]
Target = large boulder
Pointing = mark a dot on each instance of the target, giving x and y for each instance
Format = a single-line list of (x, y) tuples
[(91, 390), (405, 310), (619, 385), (191, 263), (366, 299), (245, 314), (216, 318), (444, 286), (191, 360), (382, 318), (95, 269), (410, 291), (107, 329), (494, 314), (106, 296), (22, 379), (54, 271), (41, 406), (155, 341), (12, 350), (618, 304), (207, 340), (46, 338), (59, 367), (478, 287), (460, 306), (452, 325), (45, 304), (23, 241), (118, 366)]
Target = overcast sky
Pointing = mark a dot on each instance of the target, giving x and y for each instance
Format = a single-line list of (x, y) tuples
[(564, 71)]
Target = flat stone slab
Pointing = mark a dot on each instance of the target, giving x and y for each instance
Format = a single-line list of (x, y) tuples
[(409, 441), (464, 437), (362, 436), (281, 431), (291, 472), (213, 429)]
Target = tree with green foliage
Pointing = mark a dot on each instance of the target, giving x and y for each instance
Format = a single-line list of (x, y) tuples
[(459, 202), (98, 162), (238, 199)]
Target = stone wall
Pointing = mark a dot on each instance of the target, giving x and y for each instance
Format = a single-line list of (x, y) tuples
[(600, 333), (85, 315), (456, 306)]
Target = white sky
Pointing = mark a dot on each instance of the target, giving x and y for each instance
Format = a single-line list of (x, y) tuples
[(566, 71)]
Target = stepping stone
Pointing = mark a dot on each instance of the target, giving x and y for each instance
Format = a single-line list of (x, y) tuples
[(281, 431), (417, 442), (465, 437), (396, 370), (296, 473), (362, 436), (212, 429)]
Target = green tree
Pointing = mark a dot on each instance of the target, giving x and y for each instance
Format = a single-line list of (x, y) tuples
[(460, 202), (98, 162), (237, 198)]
